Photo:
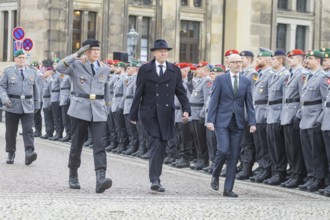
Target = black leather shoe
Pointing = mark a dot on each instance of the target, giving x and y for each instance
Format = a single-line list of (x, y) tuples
[(215, 183), (130, 150), (294, 183), (74, 182), (88, 142), (46, 136), (66, 138), (326, 191), (37, 134), (102, 183), (182, 163), (56, 137), (306, 184), (316, 185), (169, 159), (30, 156), (146, 155), (245, 172), (256, 174), (200, 164), (275, 180), (229, 193), (263, 176), (155, 186), (10, 158)]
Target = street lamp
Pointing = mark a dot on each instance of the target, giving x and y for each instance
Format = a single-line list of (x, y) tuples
[(132, 38)]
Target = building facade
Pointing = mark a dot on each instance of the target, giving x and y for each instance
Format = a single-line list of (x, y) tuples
[(197, 30)]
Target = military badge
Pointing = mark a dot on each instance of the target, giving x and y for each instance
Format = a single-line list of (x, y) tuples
[(62, 76), (196, 94), (255, 77), (261, 90), (82, 80)]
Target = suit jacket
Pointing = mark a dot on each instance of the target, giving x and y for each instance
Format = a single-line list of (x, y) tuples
[(83, 82), (316, 88), (12, 83), (154, 99), (223, 102)]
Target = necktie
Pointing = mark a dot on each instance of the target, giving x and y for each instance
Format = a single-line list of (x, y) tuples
[(161, 73), (291, 73), (92, 65), (22, 74), (309, 76), (235, 84), (260, 73)]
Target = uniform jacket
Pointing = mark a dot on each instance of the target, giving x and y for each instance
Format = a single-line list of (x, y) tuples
[(118, 94), (199, 96), (275, 93), (46, 93), (83, 82), (260, 93), (316, 88), (154, 99), (293, 89), (56, 80), (177, 104), (324, 118), (12, 83), (129, 93), (65, 92), (111, 82), (223, 102)]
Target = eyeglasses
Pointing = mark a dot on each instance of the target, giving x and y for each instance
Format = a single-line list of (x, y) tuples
[(236, 62), (21, 58)]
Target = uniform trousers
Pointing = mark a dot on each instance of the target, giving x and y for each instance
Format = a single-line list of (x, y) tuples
[(132, 131), (228, 148), (262, 152), (12, 121), (184, 132), (211, 144), (293, 150), (199, 130), (57, 116), (326, 137), (49, 120), (314, 152), (38, 120), (121, 126), (113, 133), (79, 132), (276, 148), (248, 149), (66, 119)]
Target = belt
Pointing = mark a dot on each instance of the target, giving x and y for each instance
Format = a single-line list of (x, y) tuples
[(315, 102), (260, 102), (177, 107), (111, 92), (46, 96), (292, 100), (274, 102), (327, 104), (119, 95), (196, 104), (88, 96), (129, 97), (20, 96), (66, 88), (55, 90)]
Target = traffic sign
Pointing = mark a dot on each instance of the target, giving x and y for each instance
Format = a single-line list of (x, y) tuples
[(27, 44), (18, 33)]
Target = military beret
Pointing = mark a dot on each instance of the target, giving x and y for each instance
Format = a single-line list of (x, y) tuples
[(133, 63), (193, 67), (121, 64), (325, 49), (326, 54), (47, 63), (279, 53), (246, 53), (182, 65), (108, 61), (230, 52), (91, 42), (296, 52), (49, 68), (35, 64), (222, 66), (57, 60), (217, 69), (202, 64), (19, 52), (315, 53), (265, 54)]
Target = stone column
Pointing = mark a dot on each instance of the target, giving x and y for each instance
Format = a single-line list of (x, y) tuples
[(84, 26), (291, 36), (1, 35), (10, 45)]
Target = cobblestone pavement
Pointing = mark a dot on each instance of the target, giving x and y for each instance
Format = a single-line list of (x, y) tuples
[(41, 191)]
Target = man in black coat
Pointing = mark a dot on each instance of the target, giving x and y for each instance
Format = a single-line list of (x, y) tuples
[(157, 83)]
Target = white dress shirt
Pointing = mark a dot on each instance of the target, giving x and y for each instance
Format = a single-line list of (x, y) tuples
[(158, 68)]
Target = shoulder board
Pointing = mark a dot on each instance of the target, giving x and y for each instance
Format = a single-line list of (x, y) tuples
[(284, 72)]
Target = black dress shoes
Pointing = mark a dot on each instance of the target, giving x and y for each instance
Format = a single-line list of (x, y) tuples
[(155, 186), (30, 156), (10, 158), (306, 184), (74, 182), (316, 185), (215, 183), (229, 193)]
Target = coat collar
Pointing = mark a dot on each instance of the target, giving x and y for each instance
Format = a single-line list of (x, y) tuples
[(154, 76)]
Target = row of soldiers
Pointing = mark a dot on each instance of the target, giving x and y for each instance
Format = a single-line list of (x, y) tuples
[(290, 105)]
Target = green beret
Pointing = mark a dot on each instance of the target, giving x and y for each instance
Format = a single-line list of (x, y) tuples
[(325, 49), (326, 54), (265, 54), (121, 64), (217, 69), (134, 63), (35, 64), (19, 52), (315, 53), (57, 60)]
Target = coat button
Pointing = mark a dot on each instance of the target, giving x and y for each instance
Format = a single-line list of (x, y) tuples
[(156, 85), (167, 85), (157, 94), (166, 105)]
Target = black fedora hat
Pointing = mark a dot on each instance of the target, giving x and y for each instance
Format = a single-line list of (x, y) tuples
[(160, 44)]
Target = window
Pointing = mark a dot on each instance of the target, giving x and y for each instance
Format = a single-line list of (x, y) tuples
[(145, 39), (189, 41), (184, 2), (198, 3), (76, 31), (301, 5), (282, 4), (5, 36), (91, 29), (300, 37), (281, 36), (140, 2)]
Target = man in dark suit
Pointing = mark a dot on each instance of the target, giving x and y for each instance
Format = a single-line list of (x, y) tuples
[(157, 83), (230, 93)]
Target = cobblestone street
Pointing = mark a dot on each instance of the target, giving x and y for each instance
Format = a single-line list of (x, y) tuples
[(41, 191)]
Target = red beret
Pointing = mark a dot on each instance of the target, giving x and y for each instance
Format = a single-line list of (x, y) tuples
[(192, 67), (182, 65), (110, 62), (295, 52), (202, 64), (230, 52)]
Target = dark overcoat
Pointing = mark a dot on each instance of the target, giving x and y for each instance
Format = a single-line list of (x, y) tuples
[(154, 99)]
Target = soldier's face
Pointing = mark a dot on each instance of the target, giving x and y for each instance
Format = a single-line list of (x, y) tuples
[(312, 62), (293, 61), (131, 70), (326, 64), (160, 55), (20, 60), (93, 54), (246, 62)]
